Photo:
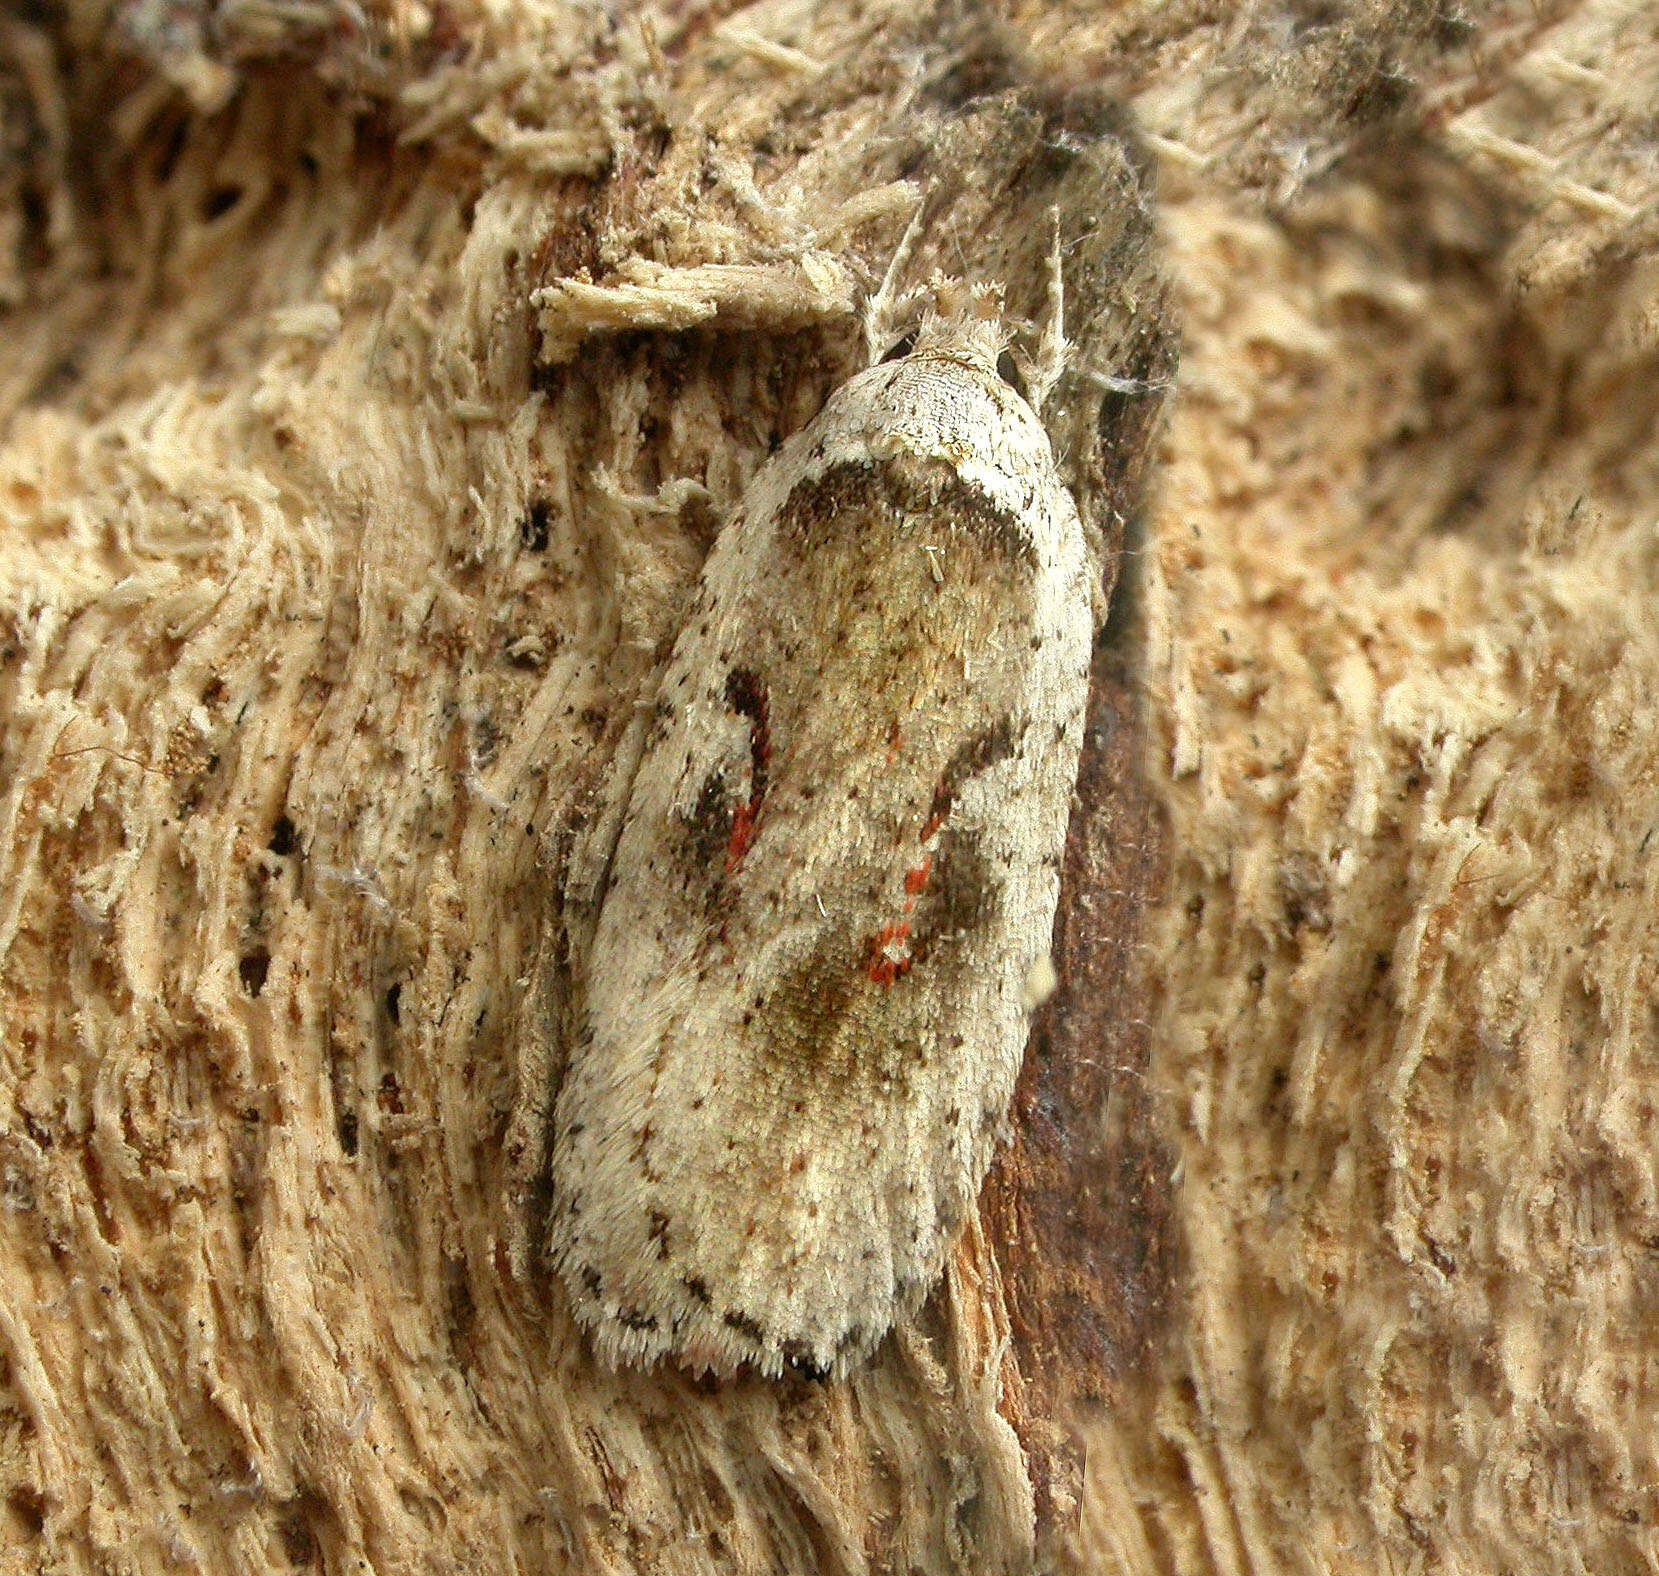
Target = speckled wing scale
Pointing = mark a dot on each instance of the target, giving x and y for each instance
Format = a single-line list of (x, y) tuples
[(808, 995)]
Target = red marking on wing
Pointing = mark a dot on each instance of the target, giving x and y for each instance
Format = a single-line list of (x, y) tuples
[(890, 955), (743, 834)]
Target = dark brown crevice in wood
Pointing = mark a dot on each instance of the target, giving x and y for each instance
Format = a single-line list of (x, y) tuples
[(1079, 1205)]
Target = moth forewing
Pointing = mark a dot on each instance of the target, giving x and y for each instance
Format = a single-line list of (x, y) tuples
[(807, 1000)]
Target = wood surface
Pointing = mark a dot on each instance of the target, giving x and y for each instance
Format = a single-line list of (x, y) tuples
[(373, 380)]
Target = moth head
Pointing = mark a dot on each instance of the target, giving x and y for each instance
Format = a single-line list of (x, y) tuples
[(966, 323)]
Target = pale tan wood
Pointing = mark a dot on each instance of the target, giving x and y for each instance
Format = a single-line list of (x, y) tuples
[(372, 383)]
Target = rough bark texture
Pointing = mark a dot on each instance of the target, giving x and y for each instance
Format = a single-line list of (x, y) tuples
[(372, 383)]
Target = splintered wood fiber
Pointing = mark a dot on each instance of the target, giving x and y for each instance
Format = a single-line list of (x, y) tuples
[(1402, 666), (370, 407), (372, 383)]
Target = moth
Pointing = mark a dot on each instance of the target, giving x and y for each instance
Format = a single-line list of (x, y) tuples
[(810, 983)]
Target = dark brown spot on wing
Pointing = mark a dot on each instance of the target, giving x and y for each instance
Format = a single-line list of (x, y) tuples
[(746, 695), (973, 756), (819, 509), (697, 1289), (837, 1022), (707, 831), (744, 1324), (964, 897)]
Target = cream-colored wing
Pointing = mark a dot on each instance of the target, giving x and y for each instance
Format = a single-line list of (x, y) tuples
[(807, 1003)]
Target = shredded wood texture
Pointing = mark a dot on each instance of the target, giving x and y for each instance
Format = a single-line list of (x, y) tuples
[(372, 381)]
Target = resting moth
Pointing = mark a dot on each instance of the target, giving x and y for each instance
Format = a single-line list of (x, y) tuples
[(809, 989)]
